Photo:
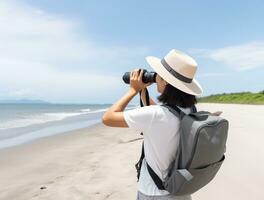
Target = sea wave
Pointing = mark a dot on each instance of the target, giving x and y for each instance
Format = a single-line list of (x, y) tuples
[(35, 119), (99, 110), (85, 110)]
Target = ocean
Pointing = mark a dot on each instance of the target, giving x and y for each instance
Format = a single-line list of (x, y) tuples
[(21, 123)]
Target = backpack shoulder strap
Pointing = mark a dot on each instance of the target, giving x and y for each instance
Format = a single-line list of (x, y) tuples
[(153, 175), (175, 110), (139, 163), (155, 178)]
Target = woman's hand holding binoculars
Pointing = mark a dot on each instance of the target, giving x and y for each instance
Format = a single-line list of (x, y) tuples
[(136, 83)]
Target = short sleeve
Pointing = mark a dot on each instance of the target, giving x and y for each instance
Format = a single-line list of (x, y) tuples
[(140, 119)]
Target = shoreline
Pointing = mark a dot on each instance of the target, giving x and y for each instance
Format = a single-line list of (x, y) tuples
[(98, 162), (50, 137), (43, 132)]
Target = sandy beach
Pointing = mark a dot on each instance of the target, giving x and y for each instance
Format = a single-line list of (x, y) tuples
[(97, 162)]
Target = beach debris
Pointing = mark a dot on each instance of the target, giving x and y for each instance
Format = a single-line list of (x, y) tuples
[(43, 187), (128, 141)]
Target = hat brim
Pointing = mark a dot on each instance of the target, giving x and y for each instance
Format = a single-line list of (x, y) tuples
[(193, 88)]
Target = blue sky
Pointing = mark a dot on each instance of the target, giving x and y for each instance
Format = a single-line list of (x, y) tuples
[(77, 51)]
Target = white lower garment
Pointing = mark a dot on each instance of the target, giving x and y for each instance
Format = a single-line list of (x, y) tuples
[(141, 196)]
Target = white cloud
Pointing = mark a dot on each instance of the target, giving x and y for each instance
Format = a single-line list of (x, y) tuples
[(240, 57), (41, 53), (47, 83)]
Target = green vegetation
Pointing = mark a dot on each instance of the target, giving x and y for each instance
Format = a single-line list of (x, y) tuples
[(236, 98)]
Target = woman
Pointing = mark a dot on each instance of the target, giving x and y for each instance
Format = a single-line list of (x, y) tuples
[(176, 83)]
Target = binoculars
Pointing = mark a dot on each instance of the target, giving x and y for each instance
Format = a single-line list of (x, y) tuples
[(146, 78)]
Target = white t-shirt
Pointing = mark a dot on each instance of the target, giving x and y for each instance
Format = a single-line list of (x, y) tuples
[(161, 139)]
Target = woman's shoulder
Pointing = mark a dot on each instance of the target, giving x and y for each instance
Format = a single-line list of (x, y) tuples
[(158, 108), (161, 107), (154, 110), (185, 110)]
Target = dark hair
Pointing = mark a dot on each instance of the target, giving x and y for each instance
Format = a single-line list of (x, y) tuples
[(174, 96)]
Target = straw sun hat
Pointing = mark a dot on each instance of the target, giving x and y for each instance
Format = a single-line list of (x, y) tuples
[(178, 69)]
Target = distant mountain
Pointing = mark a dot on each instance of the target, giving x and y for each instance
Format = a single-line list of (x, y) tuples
[(23, 101)]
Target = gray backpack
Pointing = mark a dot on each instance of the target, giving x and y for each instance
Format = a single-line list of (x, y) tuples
[(200, 154)]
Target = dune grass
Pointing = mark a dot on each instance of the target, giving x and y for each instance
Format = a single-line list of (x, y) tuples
[(236, 98)]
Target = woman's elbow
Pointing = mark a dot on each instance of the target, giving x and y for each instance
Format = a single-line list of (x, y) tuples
[(114, 120), (105, 120)]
